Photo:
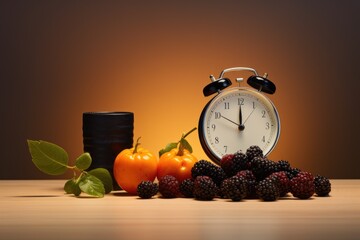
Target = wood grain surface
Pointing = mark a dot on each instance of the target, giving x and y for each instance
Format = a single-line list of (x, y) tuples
[(39, 209)]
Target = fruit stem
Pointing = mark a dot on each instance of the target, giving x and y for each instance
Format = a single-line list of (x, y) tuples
[(181, 145), (181, 150), (136, 145)]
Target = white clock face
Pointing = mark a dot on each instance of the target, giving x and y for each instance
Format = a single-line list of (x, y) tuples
[(237, 119)]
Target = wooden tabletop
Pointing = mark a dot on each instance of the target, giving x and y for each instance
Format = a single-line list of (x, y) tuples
[(39, 209)]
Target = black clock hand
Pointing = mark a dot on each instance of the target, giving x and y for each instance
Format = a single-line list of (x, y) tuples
[(241, 125), (230, 120)]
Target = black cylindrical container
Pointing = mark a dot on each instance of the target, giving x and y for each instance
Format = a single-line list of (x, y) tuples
[(105, 135)]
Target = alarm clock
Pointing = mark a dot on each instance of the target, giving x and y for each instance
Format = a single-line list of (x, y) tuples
[(238, 117)]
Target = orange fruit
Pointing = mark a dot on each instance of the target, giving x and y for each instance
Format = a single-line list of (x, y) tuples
[(131, 166), (178, 166)]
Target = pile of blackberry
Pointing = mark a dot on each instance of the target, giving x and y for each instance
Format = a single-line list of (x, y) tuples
[(241, 176), (274, 179)]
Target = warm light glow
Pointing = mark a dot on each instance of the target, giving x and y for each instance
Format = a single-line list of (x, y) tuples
[(63, 59)]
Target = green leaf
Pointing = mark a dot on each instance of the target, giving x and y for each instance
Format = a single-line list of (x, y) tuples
[(168, 148), (186, 145), (48, 157), (71, 187), (104, 176), (83, 162), (92, 185)]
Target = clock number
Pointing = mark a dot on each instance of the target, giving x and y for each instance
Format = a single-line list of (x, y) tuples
[(217, 115), (225, 148), (227, 105), (240, 101), (263, 112), (267, 125), (253, 105), (216, 140), (263, 139), (213, 126)]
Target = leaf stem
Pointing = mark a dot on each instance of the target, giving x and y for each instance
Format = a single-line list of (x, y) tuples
[(78, 179), (184, 136)]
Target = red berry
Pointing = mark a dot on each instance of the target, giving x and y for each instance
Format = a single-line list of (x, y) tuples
[(169, 186), (302, 186)]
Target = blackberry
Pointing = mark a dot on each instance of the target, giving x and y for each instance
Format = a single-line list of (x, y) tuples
[(187, 188), (250, 182), (147, 189), (262, 167), (234, 163), (234, 188), (226, 164), (204, 188), (218, 175), (302, 186), (254, 151), (247, 174), (283, 182), (201, 168), (283, 165), (222, 190), (293, 172), (241, 161), (169, 186), (322, 186), (267, 189), (206, 168)]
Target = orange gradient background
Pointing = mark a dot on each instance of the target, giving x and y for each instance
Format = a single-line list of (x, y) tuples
[(153, 58)]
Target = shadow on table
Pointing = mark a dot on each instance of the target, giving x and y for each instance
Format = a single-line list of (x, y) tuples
[(36, 196)]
